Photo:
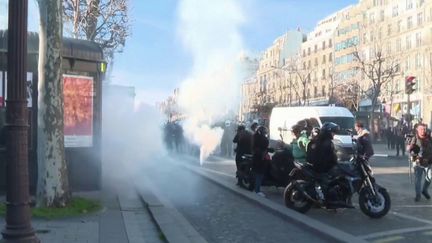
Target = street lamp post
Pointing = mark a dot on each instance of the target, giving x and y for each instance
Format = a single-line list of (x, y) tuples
[(18, 224)]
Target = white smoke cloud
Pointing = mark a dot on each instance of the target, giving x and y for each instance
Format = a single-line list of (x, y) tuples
[(210, 31)]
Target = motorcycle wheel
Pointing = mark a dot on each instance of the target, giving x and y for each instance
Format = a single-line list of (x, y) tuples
[(247, 183), (374, 207), (295, 199)]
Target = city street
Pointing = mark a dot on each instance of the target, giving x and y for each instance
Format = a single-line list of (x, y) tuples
[(210, 208), (218, 214)]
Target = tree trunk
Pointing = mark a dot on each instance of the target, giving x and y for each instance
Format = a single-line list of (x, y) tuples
[(93, 15), (53, 183), (372, 118), (76, 19)]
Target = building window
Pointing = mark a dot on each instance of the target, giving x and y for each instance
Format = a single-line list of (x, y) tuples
[(315, 91), (399, 26), (395, 11), (389, 29), (316, 61), (409, 4), (379, 34), (398, 45), (382, 15), (324, 59), (420, 19), (418, 61), (407, 63), (323, 90), (315, 48), (330, 43), (304, 53), (409, 22), (408, 42), (309, 63), (309, 51), (371, 36), (330, 57), (371, 18), (323, 45), (388, 50), (418, 39), (323, 74)]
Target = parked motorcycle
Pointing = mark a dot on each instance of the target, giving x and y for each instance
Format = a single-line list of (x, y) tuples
[(336, 188), (278, 169)]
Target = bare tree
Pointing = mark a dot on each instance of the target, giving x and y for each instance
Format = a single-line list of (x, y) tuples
[(349, 93), (103, 21), (53, 183), (301, 79), (378, 69)]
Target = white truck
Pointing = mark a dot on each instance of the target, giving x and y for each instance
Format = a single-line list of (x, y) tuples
[(283, 118)]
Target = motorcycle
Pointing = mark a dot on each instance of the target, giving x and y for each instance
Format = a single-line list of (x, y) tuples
[(279, 167), (335, 189)]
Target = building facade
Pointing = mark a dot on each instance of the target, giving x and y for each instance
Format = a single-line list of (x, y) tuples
[(397, 34)]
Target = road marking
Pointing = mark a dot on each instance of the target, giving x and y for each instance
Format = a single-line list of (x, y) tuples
[(389, 239), (406, 216), (395, 232), (412, 206), (380, 155)]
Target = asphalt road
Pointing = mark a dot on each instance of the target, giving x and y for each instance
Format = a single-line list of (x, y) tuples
[(406, 222), (218, 214)]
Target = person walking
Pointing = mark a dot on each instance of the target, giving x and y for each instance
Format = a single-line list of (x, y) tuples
[(243, 139), (420, 148), (260, 157), (401, 131), (363, 140)]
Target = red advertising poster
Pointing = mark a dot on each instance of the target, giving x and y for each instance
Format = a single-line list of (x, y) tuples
[(78, 111)]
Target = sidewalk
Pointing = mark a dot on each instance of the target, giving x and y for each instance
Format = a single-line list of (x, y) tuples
[(125, 217), (381, 150)]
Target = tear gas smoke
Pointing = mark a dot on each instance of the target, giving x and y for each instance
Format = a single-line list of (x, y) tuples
[(131, 136), (210, 32)]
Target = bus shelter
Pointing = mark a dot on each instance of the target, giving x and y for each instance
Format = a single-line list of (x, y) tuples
[(83, 69)]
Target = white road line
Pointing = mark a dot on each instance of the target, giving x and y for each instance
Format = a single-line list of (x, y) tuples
[(380, 155), (394, 232), (406, 216), (412, 206)]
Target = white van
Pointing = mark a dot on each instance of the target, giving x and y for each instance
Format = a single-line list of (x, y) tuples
[(283, 118)]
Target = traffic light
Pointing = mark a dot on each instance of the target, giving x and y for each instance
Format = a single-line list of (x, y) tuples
[(410, 82)]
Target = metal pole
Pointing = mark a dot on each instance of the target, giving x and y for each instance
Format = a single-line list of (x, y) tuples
[(409, 112), (18, 224)]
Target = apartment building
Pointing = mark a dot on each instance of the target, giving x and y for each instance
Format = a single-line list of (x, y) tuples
[(401, 31), (315, 77), (264, 90)]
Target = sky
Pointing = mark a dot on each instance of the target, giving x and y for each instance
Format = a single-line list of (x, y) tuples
[(156, 59)]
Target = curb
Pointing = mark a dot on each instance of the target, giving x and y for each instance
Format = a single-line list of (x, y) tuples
[(324, 230), (170, 222)]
